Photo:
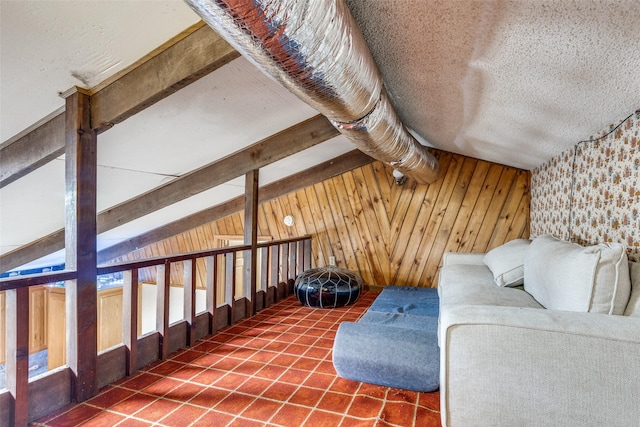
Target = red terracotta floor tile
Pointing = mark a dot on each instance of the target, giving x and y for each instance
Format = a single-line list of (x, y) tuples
[(255, 386), (185, 415), (398, 413), (318, 380), (280, 391), (104, 419), (110, 397), (208, 376), (140, 381), (234, 403), (271, 371), (427, 418), (294, 376), (186, 356), (306, 396), (166, 368), (133, 403), (158, 409), (214, 418), (231, 381), (323, 419), (365, 407), (262, 410), (209, 397), (162, 387), (75, 416), (335, 402), (241, 422), (306, 364), (184, 392), (291, 415)]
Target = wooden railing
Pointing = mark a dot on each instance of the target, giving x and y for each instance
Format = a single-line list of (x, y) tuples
[(281, 261)]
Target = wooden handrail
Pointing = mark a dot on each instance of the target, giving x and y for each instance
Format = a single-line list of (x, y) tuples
[(18, 282)]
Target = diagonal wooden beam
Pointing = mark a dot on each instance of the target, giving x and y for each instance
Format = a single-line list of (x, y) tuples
[(313, 175), (283, 144), (184, 62), (34, 149), (180, 62)]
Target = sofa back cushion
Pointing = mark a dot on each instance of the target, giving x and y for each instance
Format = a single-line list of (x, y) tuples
[(633, 307), (566, 276)]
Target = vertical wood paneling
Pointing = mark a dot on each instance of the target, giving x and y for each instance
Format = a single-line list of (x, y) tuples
[(390, 234)]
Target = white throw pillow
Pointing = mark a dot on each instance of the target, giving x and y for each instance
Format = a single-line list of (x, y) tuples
[(633, 307), (566, 276), (506, 262)]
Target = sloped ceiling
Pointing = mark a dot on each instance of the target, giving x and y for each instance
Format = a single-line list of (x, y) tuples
[(514, 82)]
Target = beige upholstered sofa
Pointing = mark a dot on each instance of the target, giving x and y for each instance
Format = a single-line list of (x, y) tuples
[(540, 333)]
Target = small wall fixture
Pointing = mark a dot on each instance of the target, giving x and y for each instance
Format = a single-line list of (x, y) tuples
[(399, 177), (288, 220)]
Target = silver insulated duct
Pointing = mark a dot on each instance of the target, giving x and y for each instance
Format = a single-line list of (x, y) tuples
[(316, 50)]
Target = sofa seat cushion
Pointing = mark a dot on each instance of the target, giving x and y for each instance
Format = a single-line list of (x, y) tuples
[(466, 275), (456, 293), (566, 276)]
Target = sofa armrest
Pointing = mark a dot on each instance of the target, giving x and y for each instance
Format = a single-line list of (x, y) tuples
[(452, 258), (520, 366)]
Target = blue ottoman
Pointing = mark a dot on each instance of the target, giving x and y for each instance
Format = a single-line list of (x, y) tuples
[(395, 343)]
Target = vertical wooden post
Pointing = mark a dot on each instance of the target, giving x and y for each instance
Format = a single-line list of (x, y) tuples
[(17, 354), (163, 289), (130, 320), (211, 274), (80, 244), (190, 300), (251, 237)]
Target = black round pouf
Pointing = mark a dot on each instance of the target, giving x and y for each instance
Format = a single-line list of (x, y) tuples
[(326, 287)]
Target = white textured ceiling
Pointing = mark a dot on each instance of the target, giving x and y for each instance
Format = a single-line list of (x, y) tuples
[(513, 81)]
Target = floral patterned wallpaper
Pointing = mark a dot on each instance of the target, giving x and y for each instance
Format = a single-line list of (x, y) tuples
[(591, 193)]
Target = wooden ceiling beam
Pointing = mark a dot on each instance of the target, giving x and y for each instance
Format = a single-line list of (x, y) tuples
[(276, 147), (180, 62), (184, 62), (36, 148), (300, 180)]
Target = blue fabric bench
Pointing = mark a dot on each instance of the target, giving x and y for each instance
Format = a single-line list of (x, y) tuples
[(395, 343)]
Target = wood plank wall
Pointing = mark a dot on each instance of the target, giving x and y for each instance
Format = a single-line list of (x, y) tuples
[(390, 234)]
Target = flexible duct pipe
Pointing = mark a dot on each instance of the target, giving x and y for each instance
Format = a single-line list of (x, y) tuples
[(316, 50)]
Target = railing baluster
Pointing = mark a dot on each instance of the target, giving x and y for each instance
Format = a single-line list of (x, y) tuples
[(17, 353), (163, 288), (130, 319), (307, 254), (264, 274), (284, 263), (230, 284), (189, 286), (211, 274), (275, 269), (293, 253)]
